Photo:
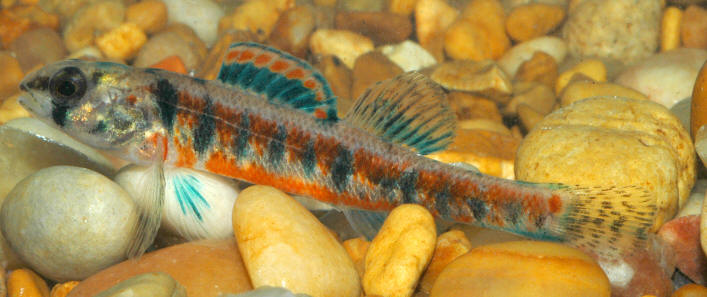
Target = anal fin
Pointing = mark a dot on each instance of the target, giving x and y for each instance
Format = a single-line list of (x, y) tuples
[(410, 110)]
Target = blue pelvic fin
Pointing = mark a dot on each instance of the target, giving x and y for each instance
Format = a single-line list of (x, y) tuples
[(187, 189), (365, 222), (279, 77), (410, 110)]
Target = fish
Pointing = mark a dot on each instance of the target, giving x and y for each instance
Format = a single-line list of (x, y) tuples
[(270, 118)]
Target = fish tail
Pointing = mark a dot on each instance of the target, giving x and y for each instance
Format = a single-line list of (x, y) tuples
[(608, 221)]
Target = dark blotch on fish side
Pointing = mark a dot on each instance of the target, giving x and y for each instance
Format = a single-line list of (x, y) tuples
[(204, 131), (167, 102), (341, 168), (442, 200), (276, 147), (478, 208), (407, 184), (309, 158), (240, 143)]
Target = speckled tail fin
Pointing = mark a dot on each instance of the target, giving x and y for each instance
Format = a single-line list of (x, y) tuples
[(279, 77), (608, 220), (149, 210), (410, 110)]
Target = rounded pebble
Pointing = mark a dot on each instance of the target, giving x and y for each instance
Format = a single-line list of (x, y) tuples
[(177, 40), (591, 68), (624, 30), (533, 20), (670, 29), (522, 268), (150, 15), (304, 257), (292, 31), (153, 284), (690, 290), (371, 68), (68, 222), (432, 18), (200, 15), (25, 283), (205, 268), (540, 68), (258, 17), (472, 76), (380, 27), (674, 71), (409, 55), (450, 245), (693, 26), (399, 253), (479, 33), (37, 48), (63, 289), (514, 57), (579, 90), (346, 45), (11, 75), (698, 105), (121, 43), (90, 21)]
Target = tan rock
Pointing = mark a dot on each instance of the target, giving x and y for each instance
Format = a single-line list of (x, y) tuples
[(11, 109), (15, 21), (533, 20), (484, 76), (122, 42), (63, 289), (484, 124), (670, 29), (258, 17), (403, 7), (11, 75), (468, 106), (540, 68), (479, 33), (206, 268), (357, 248), (340, 78), (517, 55), (450, 245), (579, 90), (522, 268), (381, 27), (292, 31), (154, 284), (529, 117), (370, 68), (698, 108), (409, 55), (24, 282), (693, 27), (38, 47), (612, 141), (346, 45), (91, 21), (536, 95), (304, 257), (400, 252), (150, 15), (432, 18), (175, 40), (690, 290), (492, 153), (592, 68)]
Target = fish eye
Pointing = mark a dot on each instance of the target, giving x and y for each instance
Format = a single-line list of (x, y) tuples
[(67, 85)]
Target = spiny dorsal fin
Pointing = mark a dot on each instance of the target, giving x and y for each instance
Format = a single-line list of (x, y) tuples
[(279, 77), (409, 109)]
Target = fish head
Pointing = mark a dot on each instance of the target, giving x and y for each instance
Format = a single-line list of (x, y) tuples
[(91, 101)]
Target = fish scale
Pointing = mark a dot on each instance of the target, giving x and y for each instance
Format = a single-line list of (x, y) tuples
[(270, 119)]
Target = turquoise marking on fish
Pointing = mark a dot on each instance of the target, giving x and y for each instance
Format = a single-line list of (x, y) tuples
[(188, 191)]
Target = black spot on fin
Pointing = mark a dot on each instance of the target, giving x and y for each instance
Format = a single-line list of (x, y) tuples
[(409, 109), (278, 77)]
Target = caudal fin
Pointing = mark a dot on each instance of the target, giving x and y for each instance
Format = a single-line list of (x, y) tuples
[(608, 221)]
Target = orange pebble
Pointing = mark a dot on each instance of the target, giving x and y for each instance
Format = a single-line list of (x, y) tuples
[(690, 290), (63, 289), (25, 283), (171, 63)]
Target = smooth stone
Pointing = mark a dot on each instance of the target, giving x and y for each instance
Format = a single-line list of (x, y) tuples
[(206, 268), (304, 257), (409, 55), (381, 27), (593, 69), (153, 284), (472, 76), (357, 248), (536, 95), (479, 33), (617, 137), (432, 18), (468, 106), (175, 40), (534, 20), (267, 291), (92, 19), (400, 252), (690, 290), (625, 30), (670, 28), (11, 75), (674, 71), (257, 16), (346, 45), (25, 283), (522, 268), (450, 245), (68, 223), (698, 104), (37, 48), (369, 69), (360, 5), (198, 205), (340, 79), (693, 27), (682, 235), (292, 30), (514, 57), (121, 43), (200, 15), (540, 68), (150, 15), (581, 90)]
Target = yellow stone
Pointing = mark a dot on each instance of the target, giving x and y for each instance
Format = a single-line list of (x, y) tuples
[(345, 45), (522, 268), (11, 109), (592, 68), (450, 245), (479, 33), (357, 248), (25, 283), (256, 16), (473, 76), (670, 29), (284, 245), (150, 16), (432, 18), (484, 124), (579, 90), (404, 7), (122, 42), (400, 252), (63, 289), (533, 20)]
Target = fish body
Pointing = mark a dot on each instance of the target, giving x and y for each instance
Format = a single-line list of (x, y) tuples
[(277, 126)]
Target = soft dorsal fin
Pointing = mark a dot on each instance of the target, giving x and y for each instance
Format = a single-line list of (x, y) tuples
[(279, 77), (409, 109)]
